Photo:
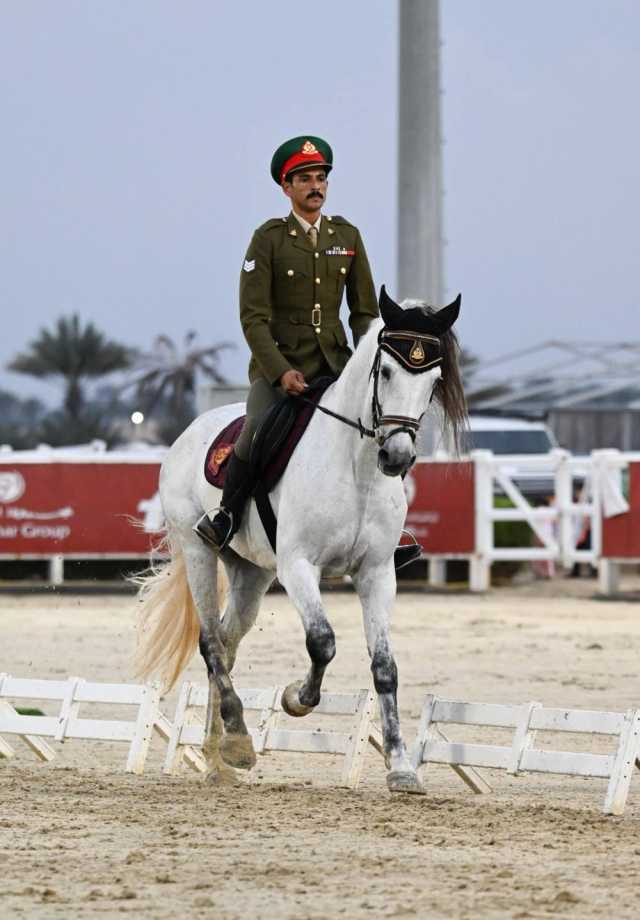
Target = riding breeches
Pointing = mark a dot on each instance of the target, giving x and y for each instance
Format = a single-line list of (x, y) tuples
[(261, 396)]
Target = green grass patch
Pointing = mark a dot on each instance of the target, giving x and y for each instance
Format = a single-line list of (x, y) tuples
[(510, 533), (28, 711)]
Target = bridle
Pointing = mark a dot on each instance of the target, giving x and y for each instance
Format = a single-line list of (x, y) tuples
[(417, 353)]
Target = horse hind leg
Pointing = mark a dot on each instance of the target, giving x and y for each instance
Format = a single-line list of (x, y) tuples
[(301, 581), (235, 747), (218, 773), (247, 586)]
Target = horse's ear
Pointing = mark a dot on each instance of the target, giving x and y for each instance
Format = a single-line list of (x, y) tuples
[(444, 319), (391, 313)]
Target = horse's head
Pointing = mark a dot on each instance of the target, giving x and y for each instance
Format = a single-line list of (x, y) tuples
[(416, 361)]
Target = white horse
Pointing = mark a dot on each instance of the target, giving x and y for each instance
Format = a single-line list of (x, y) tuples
[(340, 507)]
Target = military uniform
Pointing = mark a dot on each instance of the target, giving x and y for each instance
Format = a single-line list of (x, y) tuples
[(290, 296), (291, 288)]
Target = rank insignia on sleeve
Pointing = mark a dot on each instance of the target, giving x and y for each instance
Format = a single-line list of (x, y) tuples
[(249, 265)]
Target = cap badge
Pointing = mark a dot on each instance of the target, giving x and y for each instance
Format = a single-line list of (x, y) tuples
[(416, 356), (309, 148)]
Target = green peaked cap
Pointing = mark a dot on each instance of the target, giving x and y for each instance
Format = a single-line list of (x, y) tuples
[(300, 153)]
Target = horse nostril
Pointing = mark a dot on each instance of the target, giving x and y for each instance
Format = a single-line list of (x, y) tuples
[(384, 454)]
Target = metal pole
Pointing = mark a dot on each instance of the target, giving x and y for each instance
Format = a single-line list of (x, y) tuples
[(420, 243)]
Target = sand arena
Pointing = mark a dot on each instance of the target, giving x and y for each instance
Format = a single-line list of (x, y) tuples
[(80, 838)]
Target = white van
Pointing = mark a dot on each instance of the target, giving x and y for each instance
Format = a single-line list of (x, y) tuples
[(504, 437), (507, 436)]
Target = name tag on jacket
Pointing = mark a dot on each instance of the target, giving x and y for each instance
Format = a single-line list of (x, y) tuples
[(339, 251)]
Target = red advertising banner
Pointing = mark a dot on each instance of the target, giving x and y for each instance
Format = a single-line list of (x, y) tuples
[(98, 508), (78, 508), (441, 513), (621, 534)]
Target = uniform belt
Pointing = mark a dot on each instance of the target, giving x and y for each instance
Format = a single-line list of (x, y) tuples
[(329, 322)]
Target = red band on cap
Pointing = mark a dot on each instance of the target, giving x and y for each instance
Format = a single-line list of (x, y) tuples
[(300, 159)]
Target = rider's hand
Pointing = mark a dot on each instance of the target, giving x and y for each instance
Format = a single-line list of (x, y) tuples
[(293, 382)]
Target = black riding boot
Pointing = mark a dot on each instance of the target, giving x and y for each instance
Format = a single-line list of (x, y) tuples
[(405, 555), (217, 532)]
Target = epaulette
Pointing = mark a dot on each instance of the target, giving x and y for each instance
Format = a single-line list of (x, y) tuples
[(336, 219), (274, 222)]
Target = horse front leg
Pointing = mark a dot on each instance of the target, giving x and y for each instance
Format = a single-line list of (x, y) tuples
[(301, 580), (376, 587)]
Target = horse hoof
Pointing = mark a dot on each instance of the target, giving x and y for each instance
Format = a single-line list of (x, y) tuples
[(404, 781), (290, 701), (222, 776), (237, 751)]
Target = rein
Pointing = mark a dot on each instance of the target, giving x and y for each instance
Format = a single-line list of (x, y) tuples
[(424, 346), (364, 432)]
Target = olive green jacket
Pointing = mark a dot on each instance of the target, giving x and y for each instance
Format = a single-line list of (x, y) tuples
[(290, 297)]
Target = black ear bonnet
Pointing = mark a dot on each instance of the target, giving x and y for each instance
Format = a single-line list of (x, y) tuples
[(412, 336)]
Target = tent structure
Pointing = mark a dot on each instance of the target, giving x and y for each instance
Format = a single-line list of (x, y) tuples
[(589, 392)]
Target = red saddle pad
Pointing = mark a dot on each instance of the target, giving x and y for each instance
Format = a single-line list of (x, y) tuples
[(215, 464), (215, 467)]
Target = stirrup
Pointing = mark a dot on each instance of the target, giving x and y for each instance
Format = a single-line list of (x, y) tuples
[(218, 539)]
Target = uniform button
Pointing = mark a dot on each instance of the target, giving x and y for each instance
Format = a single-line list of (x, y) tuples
[(317, 255), (290, 273), (317, 330), (317, 281), (343, 270), (316, 306)]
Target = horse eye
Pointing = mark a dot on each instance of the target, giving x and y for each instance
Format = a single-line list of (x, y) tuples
[(386, 373)]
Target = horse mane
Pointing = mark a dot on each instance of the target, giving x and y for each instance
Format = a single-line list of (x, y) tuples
[(448, 391)]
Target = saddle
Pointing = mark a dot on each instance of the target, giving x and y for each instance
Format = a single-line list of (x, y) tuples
[(275, 439)]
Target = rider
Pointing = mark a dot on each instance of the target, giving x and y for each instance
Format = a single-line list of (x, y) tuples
[(291, 285)]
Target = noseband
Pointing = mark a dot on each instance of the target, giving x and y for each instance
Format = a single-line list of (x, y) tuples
[(417, 353)]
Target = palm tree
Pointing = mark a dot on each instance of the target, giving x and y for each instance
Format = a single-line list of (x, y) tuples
[(168, 372), (75, 354)]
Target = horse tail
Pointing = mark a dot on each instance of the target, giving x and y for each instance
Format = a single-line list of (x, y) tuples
[(167, 620)]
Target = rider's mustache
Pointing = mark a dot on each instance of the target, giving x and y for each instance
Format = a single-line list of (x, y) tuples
[(314, 195)]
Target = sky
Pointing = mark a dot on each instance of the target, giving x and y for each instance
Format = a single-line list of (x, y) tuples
[(137, 137)]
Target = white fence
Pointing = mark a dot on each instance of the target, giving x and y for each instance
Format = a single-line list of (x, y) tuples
[(185, 734), (67, 724), (521, 756), (556, 524), (270, 735)]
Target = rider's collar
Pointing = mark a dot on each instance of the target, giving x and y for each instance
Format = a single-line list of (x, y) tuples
[(415, 352), (306, 226)]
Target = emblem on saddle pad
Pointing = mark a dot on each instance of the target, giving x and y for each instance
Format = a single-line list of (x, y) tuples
[(218, 457)]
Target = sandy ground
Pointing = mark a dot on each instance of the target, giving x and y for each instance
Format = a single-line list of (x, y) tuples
[(80, 838)]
